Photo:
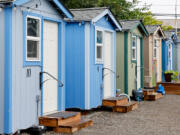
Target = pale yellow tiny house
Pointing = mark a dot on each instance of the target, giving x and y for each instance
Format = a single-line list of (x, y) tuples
[(153, 57)]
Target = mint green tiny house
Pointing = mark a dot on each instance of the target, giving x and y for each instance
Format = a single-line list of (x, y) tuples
[(130, 56)]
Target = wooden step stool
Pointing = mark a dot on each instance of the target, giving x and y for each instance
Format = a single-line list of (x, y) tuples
[(65, 122), (120, 104), (153, 97)]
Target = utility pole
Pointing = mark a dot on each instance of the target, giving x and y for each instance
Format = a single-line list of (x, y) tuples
[(176, 16)]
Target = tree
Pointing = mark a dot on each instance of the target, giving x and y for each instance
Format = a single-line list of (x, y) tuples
[(122, 10)]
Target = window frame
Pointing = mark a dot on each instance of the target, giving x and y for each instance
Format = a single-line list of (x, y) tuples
[(134, 48), (31, 38), (155, 48), (97, 60)]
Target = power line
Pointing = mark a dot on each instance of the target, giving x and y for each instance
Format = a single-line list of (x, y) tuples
[(165, 14)]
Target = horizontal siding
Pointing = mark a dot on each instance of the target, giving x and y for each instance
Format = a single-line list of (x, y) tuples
[(1, 72), (75, 65)]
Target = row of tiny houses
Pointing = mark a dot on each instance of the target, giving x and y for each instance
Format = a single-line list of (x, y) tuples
[(53, 58), (130, 56)]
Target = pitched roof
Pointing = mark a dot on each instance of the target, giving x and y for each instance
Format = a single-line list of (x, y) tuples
[(128, 24), (87, 14), (57, 4), (152, 28), (93, 14)]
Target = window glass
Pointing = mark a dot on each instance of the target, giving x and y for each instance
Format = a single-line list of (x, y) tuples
[(99, 37), (33, 39), (33, 27), (133, 54), (32, 49), (99, 52), (155, 52), (134, 42), (133, 47), (155, 43)]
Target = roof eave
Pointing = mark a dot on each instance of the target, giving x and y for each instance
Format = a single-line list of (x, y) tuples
[(59, 4), (108, 12)]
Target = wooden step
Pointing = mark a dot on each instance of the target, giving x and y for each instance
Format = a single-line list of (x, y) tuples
[(115, 101), (148, 91), (59, 119), (153, 97), (170, 88), (126, 107), (73, 127)]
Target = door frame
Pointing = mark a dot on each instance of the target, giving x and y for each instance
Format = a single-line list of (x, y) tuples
[(60, 98), (113, 92), (137, 60)]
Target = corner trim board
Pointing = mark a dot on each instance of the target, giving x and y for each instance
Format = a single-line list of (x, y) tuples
[(126, 62), (8, 71)]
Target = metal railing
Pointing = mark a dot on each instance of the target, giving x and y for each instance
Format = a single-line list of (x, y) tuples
[(60, 84), (103, 75)]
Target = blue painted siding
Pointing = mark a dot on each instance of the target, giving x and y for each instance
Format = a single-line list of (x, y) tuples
[(75, 65), (96, 91), (2, 72), (165, 56), (104, 24), (8, 71), (25, 89)]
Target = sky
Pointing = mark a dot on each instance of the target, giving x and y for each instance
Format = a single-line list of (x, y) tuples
[(162, 6)]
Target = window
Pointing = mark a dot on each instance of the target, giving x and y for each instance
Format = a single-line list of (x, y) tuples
[(155, 49), (133, 47), (99, 46), (33, 38)]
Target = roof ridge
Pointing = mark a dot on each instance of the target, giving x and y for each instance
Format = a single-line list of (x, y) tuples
[(130, 20), (93, 8)]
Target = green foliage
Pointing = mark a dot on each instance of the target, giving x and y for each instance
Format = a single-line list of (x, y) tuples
[(122, 10), (167, 27), (174, 74)]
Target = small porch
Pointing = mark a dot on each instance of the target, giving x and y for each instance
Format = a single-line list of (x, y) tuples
[(170, 87)]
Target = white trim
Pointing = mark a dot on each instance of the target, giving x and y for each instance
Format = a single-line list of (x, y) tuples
[(134, 48), (38, 39), (107, 11), (99, 61), (87, 66)]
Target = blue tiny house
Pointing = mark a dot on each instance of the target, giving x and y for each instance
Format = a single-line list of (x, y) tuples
[(90, 57), (32, 40), (168, 53)]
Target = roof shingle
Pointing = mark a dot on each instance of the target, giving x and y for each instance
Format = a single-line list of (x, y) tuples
[(128, 24), (87, 14)]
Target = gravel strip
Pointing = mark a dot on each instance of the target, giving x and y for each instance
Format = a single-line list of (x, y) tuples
[(161, 117)]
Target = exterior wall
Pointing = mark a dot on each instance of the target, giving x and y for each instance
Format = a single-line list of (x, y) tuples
[(119, 60), (147, 62), (96, 82), (2, 72), (25, 89), (132, 84), (75, 65), (96, 90), (165, 56), (150, 63)]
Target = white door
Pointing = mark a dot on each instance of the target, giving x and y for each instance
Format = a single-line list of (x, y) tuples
[(108, 74), (50, 65), (170, 57), (138, 63)]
